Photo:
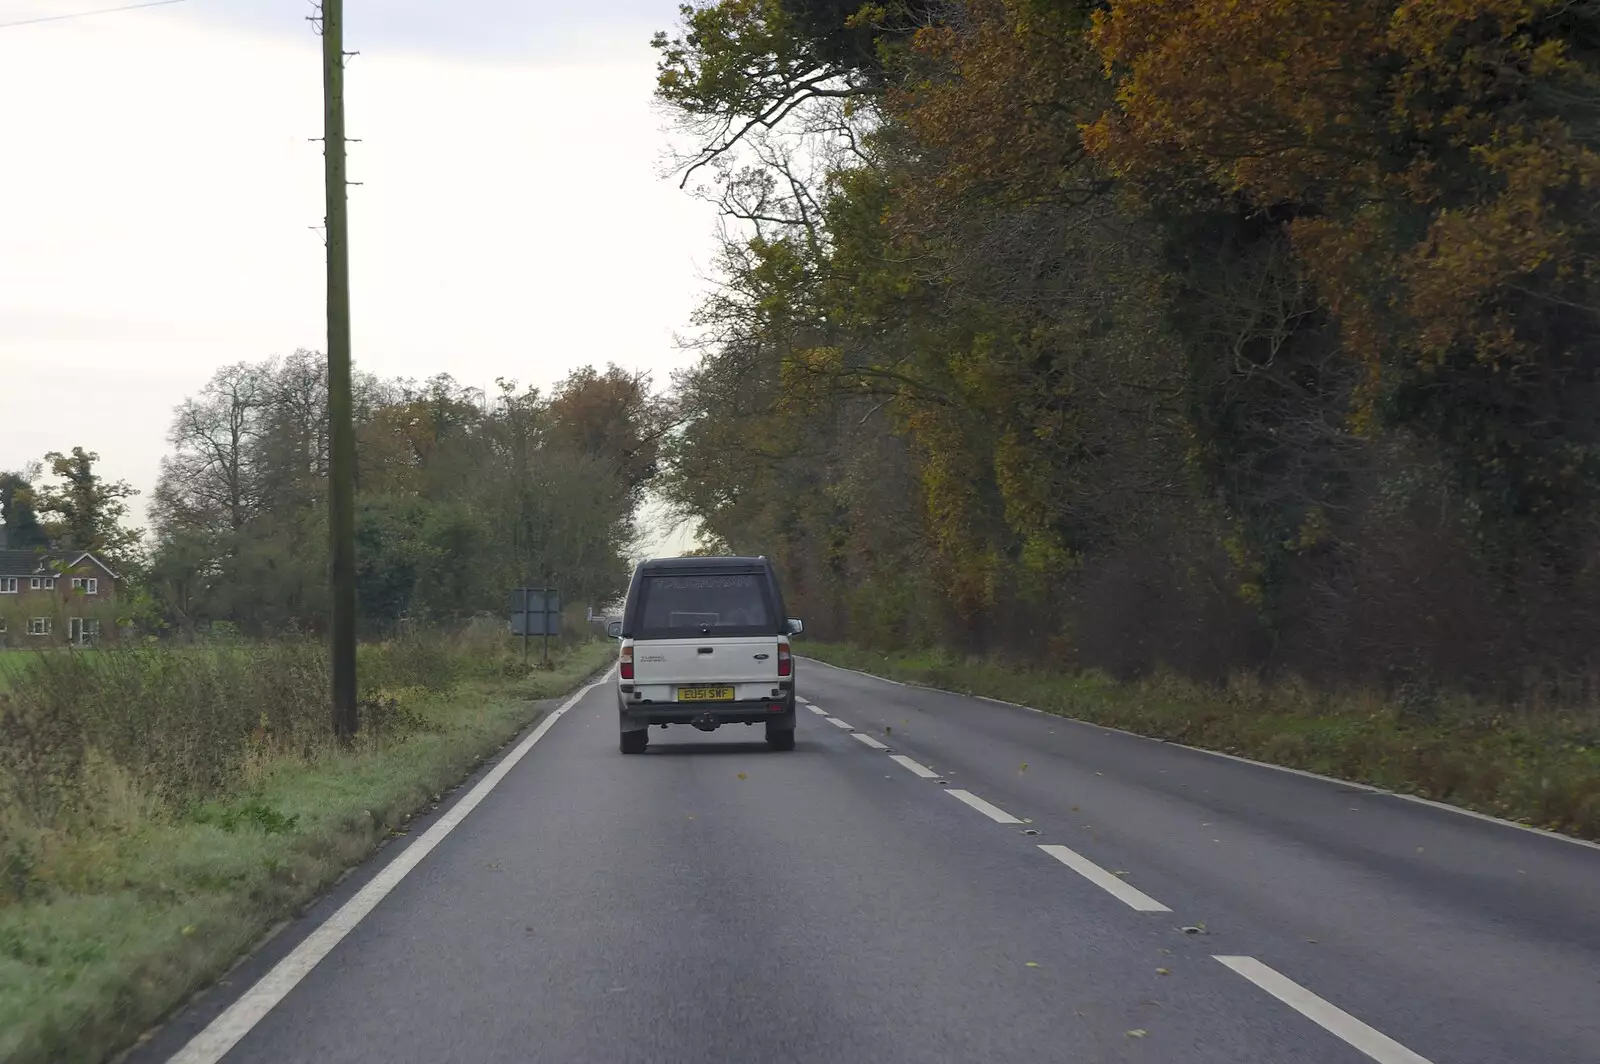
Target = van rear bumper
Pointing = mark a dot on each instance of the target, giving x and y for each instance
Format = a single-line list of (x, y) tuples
[(636, 716)]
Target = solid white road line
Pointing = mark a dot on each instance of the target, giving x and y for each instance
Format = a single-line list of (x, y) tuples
[(818, 710), (993, 812), (224, 1032), (1486, 818), (1130, 896), (1380, 1047), (869, 740), (922, 770), (837, 723), (858, 672)]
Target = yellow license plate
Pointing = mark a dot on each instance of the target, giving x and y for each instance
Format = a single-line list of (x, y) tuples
[(705, 694)]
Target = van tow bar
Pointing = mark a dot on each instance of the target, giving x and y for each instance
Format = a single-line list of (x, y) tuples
[(706, 722)]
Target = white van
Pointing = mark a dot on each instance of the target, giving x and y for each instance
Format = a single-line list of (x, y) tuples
[(705, 641)]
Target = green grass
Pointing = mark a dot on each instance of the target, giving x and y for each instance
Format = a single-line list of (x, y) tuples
[(112, 926), (1539, 766)]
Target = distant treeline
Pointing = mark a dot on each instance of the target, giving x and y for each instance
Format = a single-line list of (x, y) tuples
[(461, 496)]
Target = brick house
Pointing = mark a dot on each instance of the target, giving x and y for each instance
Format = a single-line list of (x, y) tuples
[(56, 598)]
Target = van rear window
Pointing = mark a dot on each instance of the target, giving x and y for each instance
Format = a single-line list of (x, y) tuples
[(681, 607)]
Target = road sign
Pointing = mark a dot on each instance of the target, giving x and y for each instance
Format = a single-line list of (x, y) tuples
[(535, 611)]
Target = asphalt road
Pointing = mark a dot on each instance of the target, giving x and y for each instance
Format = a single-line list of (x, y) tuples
[(1015, 887)]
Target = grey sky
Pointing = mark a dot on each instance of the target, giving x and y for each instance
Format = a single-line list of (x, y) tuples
[(500, 30), (163, 185)]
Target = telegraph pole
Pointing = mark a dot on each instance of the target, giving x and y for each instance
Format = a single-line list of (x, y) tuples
[(341, 431)]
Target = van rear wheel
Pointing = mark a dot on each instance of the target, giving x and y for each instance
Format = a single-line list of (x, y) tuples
[(634, 742), (780, 738)]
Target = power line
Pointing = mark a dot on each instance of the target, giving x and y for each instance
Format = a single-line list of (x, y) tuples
[(87, 14)]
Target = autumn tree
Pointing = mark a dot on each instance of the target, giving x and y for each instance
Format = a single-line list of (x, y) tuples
[(611, 417)]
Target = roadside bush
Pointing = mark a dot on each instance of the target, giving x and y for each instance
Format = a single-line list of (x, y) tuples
[(181, 724)]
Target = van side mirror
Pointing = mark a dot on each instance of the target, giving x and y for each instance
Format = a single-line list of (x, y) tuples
[(614, 629), (796, 627)]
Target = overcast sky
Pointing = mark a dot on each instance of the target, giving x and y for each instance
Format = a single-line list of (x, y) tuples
[(161, 193)]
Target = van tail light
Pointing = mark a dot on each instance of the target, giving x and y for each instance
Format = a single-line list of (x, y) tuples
[(785, 662), (625, 663)]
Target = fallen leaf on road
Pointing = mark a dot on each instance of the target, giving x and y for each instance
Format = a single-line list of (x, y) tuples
[(1031, 964), (1030, 831), (1024, 767), (1138, 1032), (189, 929), (743, 776), (1163, 971), (887, 730), (1074, 809)]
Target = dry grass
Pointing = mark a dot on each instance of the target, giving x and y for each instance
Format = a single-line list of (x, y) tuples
[(161, 809), (1537, 765)]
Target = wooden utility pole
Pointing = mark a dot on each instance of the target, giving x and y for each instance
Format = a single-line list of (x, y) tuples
[(341, 430)]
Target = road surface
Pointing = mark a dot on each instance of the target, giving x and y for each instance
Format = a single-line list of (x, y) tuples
[(926, 878)]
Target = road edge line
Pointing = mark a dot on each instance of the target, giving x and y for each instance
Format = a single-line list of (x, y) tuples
[(1443, 807), (230, 1027)]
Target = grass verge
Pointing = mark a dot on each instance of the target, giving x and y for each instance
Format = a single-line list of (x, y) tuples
[(1537, 766), (108, 927)]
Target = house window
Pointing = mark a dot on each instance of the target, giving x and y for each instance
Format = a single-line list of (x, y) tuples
[(39, 626), (83, 631), (2, 626), (8, 585), (87, 584), (48, 583)]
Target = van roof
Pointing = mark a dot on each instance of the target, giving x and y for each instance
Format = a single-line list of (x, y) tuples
[(704, 563)]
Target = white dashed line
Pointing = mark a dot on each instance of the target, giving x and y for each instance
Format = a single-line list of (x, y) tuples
[(818, 710), (869, 740), (1375, 1044), (837, 723), (224, 1032), (1133, 898), (922, 770), (993, 812)]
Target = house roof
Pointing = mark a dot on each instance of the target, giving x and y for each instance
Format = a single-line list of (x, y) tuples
[(101, 562), (38, 563), (22, 562)]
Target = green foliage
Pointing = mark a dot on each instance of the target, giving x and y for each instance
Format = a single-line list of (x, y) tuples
[(19, 515), (83, 511), (460, 496), (1110, 327)]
